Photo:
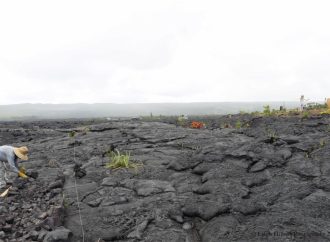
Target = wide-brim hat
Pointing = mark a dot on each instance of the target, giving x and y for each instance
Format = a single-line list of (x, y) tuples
[(22, 152)]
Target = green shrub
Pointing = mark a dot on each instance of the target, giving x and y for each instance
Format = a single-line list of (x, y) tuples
[(305, 115), (181, 121), (266, 111), (313, 106), (255, 113), (238, 124)]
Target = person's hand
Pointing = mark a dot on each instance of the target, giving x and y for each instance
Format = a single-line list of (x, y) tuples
[(21, 174)]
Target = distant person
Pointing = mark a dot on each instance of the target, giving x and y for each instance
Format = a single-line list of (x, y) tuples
[(9, 170), (302, 102)]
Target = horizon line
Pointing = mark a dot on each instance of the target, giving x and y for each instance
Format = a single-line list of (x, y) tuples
[(192, 102)]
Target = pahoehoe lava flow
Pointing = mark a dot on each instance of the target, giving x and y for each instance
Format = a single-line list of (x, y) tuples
[(269, 181)]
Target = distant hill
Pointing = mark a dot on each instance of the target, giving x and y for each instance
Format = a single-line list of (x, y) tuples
[(55, 111)]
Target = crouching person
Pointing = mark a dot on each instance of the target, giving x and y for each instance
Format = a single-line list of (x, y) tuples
[(9, 157)]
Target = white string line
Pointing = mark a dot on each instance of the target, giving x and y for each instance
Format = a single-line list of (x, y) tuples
[(78, 204), (82, 185)]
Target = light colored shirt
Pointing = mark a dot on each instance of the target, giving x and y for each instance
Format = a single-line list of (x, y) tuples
[(7, 155)]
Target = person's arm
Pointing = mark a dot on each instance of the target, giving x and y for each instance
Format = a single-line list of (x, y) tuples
[(12, 161)]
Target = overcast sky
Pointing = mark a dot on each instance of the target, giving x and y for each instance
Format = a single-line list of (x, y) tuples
[(163, 51)]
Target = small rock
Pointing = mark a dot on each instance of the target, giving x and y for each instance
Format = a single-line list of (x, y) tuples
[(25, 237), (249, 207), (2, 235), (42, 235), (33, 174), (80, 174), (34, 235), (68, 172), (285, 153), (56, 184), (121, 200), (26, 206), (165, 162), (187, 226), (259, 166), (10, 219), (7, 228), (79, 171), (149, 187), (43, 215), (18, 234), (108, 202), (176, 215), (56, 191), (304, 167), (201, 169), (177, 166), (109, 182), (3, 210), (12, 208), (117, 212), (59, 235), (290, 139), (138, 232), (95, 203), (19, 184), (205, 209)]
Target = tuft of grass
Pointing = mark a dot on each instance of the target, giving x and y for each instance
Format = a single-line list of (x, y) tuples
[(272, 135), (322, 143), (72, 134), (238, 124), (120, 161)]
